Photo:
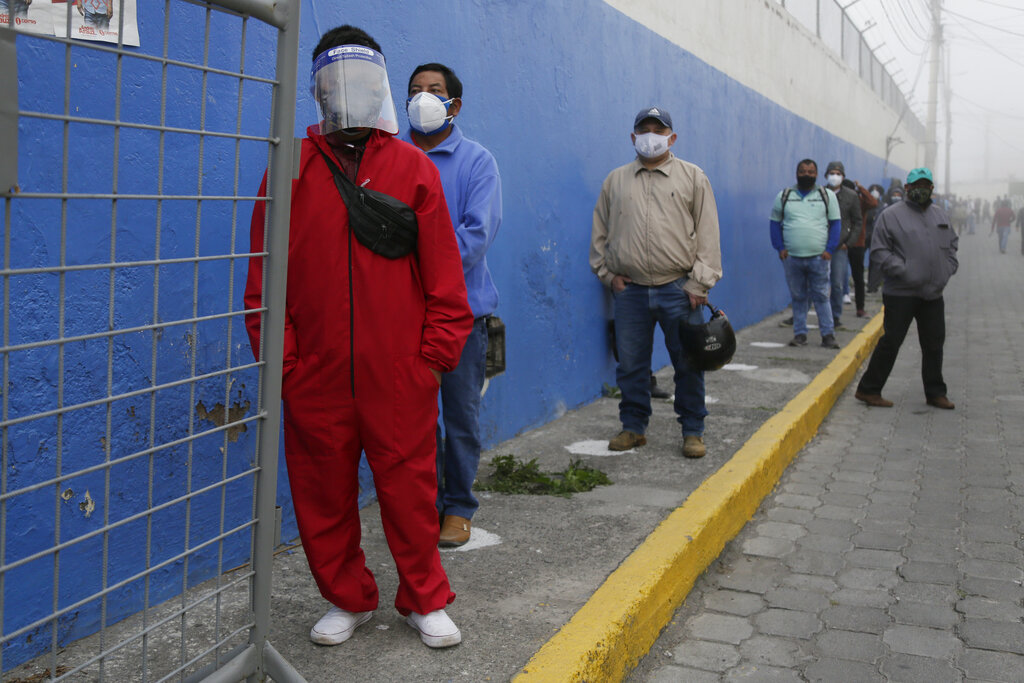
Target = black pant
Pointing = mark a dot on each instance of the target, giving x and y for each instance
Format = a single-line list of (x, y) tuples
[(931, 333), (857, 270)]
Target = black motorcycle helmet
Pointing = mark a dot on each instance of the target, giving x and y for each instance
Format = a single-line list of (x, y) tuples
[(708, 346)]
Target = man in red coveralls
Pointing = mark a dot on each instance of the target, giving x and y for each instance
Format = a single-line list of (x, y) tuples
[(366, 340)]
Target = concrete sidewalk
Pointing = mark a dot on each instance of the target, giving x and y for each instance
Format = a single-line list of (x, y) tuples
[(536, 561), (893, 547)]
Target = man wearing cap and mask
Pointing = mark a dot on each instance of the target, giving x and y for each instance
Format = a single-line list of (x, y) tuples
[(655, 242), (849, 234), (472, 189), (915, 249), (370, 326)]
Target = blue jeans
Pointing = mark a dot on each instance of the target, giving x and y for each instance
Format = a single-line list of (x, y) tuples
[(808, 280), (637, 309), (840, 276), (1004, 237), (458, 452)]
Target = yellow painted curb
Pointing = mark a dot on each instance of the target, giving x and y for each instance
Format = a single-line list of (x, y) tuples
[(620, 622)]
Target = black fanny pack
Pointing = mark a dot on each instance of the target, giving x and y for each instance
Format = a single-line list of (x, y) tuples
[(381, 223)]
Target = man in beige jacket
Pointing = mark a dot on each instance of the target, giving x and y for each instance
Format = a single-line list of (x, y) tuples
[(655, 243)]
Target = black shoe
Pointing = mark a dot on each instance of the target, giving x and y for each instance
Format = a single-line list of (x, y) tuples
[(787, 322), (829, 341), (799, 340), (656, 391)]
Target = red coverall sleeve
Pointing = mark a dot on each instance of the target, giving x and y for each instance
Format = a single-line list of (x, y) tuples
[(254, 288), (449, 319)]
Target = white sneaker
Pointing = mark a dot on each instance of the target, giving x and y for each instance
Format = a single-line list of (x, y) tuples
[(846, 299), (337, 626), (436, 629)]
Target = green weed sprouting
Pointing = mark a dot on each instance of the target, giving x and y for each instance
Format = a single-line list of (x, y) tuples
[(514, 476)]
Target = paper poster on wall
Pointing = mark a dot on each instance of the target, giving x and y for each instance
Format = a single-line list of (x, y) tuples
[(30, 16), (96, 20)]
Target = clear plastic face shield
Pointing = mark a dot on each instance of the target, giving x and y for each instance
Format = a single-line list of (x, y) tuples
[(349, 84)]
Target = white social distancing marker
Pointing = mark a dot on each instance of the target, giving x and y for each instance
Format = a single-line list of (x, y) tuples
[(767, 345), (478, 538), (599, 448), (738, 366)]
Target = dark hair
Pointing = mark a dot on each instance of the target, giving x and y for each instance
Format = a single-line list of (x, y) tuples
[(808, 162), (881, 190), (345, 35), (451, 82)]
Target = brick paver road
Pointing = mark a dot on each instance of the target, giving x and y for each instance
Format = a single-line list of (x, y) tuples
[(892, 548)]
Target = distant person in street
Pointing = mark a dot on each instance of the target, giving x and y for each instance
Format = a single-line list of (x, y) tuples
[(1020, 227), (804, 227), (472, 190), (655, 242), (1002, 222), (894, 195), (915, 248), (376, 312), (849, 235), (868, 203)]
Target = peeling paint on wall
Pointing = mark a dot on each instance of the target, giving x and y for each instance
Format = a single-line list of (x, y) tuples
[(88, 505), (220, 417)]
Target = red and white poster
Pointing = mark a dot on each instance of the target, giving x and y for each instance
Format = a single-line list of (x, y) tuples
[(30, 16), (95, 19)]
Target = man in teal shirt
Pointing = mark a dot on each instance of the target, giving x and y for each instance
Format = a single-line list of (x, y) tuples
[(805, 226)]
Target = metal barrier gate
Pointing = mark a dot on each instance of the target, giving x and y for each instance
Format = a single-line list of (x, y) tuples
[(138, 440)]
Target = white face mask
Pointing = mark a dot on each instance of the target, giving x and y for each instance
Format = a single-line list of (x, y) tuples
[(876, 194), (428, 113), (651, 145), (835, 180)]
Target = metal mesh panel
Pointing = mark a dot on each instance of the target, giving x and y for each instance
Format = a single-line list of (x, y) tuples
[(138, 449)]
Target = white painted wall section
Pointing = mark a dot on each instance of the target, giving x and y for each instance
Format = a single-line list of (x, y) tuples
[(762, 46)]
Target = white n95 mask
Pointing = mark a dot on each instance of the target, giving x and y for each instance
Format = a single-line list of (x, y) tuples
[(835, 180), (428, 113), (651, 145)]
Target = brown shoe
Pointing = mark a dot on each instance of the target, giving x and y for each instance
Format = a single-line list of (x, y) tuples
[(625, 440), (941, 402), (693, 447), (875, 400), (454, 532)]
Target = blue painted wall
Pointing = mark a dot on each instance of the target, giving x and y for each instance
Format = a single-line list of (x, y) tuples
[(551, 89)]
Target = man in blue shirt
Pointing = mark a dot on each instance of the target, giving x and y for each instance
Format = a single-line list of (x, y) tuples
[(472, 189), (805, 226)]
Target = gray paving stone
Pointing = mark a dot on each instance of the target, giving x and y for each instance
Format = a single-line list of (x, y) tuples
[(997, 552), (890, 497), (861, 647), (802, 489), (894, 485), (948, 522), (989, 533), (766, 546), (789, 623), (681, 674), (789, 515), (749, 673), (858, 597), (832, 527), (751, 574), (700, 654), (733, 602), (995, 610), (810, 582), (828, 544), (852, 618), (992, 666), (829, 670), (989, 588), (923, 642), (878, 559), (780, 530), (928, 615), (839, 512), (931, 593), (814, 562), (858, 477), (795, 501), (929, 572), (719, 627), (773, 651), (794, 599), (895, 513), (993, 635), (930, 552), (854, 487), (879, 541), (809, 476), (903, 668), (868, 579), (987, 569), (850, 500)]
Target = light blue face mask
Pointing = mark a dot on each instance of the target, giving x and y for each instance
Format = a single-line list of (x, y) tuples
[(428, 113)]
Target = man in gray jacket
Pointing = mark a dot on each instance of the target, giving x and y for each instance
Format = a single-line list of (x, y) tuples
[(849, 235), (915, 249)]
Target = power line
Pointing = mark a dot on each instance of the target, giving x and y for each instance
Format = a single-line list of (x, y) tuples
[(985, 24), (998, 4), (888, 17), (988, 110), (987, 44)]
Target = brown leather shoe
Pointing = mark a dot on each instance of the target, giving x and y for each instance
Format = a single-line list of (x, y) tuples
[(875, 400), (941, 402), (454, 532), (693, 446), (625, 440)]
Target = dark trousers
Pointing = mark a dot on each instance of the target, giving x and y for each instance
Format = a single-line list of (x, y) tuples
[(931, 334), (857, 270)]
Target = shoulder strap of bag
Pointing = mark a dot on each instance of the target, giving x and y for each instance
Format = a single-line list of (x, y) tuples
[(346, 188)]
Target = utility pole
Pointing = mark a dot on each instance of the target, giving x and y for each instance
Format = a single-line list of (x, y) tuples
[(931, 146)]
